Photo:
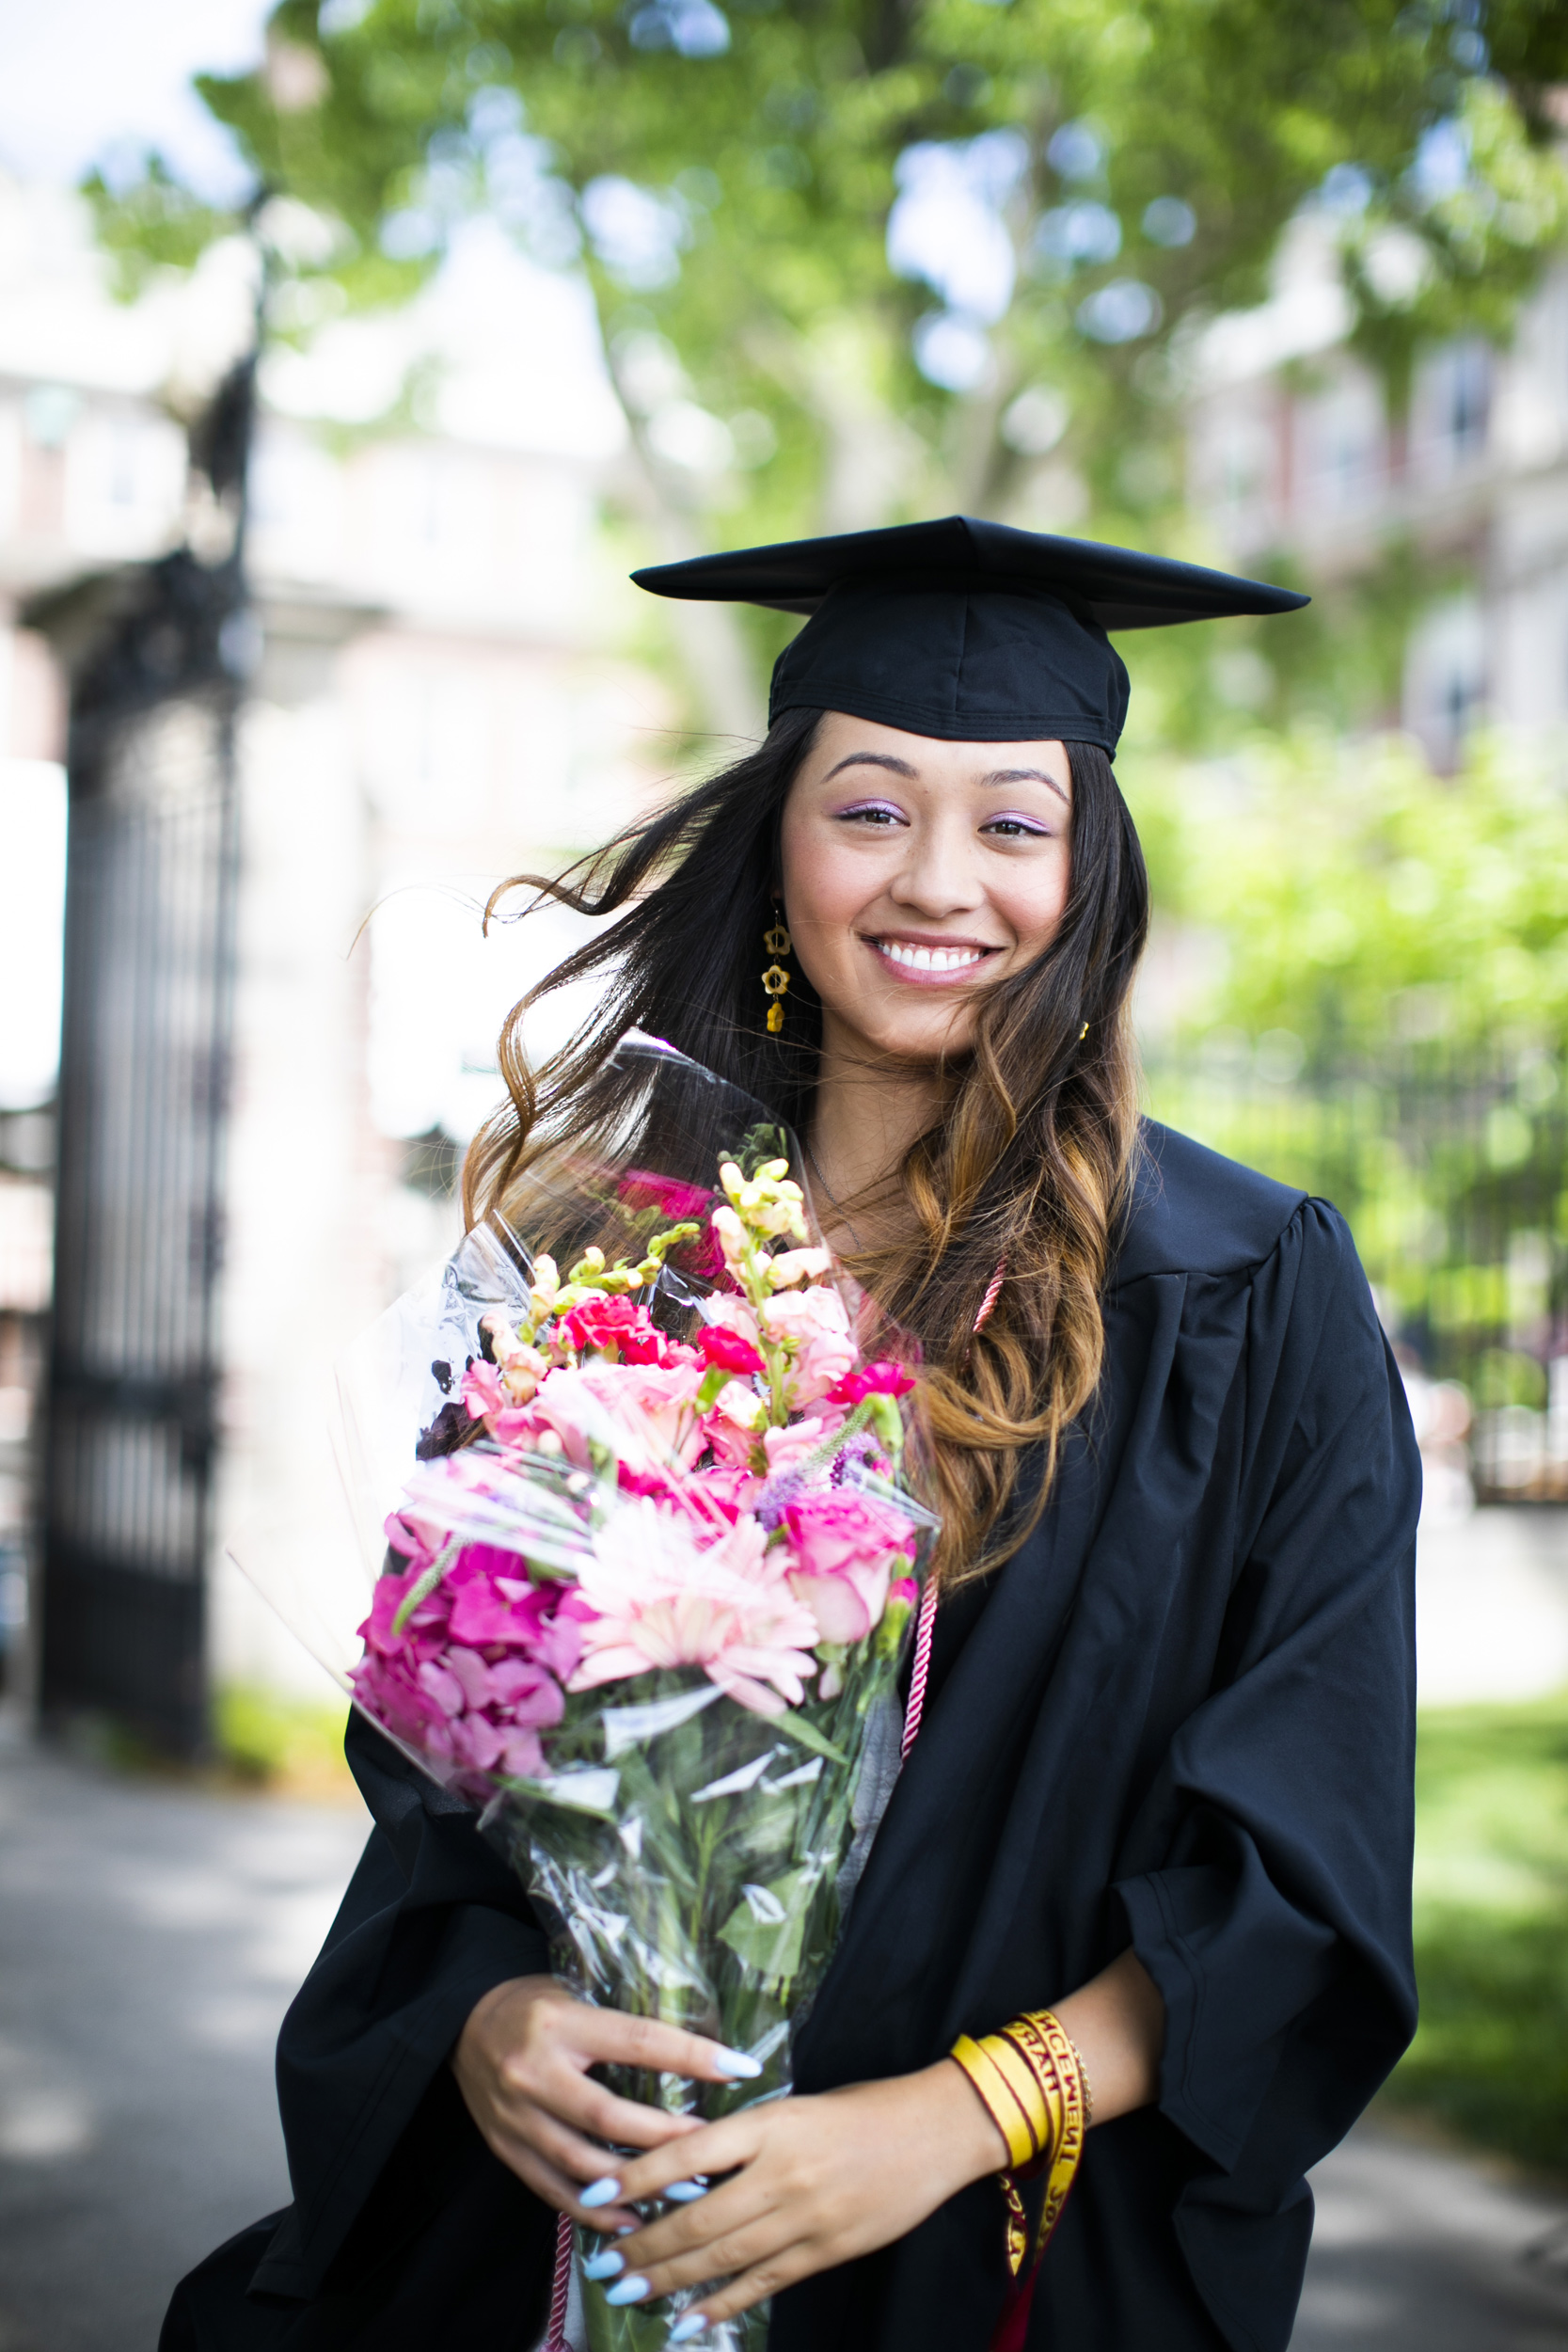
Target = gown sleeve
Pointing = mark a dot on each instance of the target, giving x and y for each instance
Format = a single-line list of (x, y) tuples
[(432, 1920), (1277, 1923)]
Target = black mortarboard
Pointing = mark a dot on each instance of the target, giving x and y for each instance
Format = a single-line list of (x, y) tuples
[(970, 631)]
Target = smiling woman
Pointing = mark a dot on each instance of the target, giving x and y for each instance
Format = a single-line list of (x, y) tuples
[(1162, 1780)]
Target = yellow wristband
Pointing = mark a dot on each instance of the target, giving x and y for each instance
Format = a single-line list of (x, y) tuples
[(1010, 2097), (1031, 2082)]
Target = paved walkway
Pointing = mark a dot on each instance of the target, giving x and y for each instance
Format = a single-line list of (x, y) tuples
[(150, 1940)]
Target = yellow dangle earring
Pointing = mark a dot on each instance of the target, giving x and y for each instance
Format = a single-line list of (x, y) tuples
[(776, 979)]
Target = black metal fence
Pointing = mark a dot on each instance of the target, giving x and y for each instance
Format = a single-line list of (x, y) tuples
[(133, 1374), (1453, 1168)]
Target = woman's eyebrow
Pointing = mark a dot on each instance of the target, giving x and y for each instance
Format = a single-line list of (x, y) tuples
[(871, 759), (1022, 775)]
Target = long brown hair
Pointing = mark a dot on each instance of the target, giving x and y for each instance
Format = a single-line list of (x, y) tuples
[(1030, 1164)]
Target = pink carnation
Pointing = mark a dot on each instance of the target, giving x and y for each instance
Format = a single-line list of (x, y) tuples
[(846, 1548), (787, 1448), (642, 1412), (730, 1351), (727, 1311), (616, 1328), (663, 1599), (725, 1490), (880, 1380)]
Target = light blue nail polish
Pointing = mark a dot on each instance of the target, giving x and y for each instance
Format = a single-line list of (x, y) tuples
[(685, 2330), (627, 2229), (630, 2290), (603, 2192), (609, 2264), (735, 2066), (686, 2192)]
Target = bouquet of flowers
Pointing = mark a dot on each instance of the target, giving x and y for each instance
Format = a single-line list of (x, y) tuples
[(648, 1583)]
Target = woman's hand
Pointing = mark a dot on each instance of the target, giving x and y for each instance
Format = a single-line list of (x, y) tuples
[(815, 2181), (522, 2063)]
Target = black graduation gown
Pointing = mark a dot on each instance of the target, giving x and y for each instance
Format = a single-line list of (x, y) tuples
[(1182, 1717)]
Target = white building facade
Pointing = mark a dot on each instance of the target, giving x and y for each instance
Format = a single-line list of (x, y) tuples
[(443, 696)]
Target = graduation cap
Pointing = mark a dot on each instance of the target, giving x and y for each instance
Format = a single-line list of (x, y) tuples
[(969, 631)]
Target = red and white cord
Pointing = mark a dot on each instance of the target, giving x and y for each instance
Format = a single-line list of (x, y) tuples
[(555, 2335), (920, 1673)]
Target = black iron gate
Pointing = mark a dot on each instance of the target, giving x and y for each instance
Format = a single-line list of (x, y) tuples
[(151, 876)]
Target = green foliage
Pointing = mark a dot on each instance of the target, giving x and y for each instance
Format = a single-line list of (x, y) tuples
[(1491, 2054), (726, 181), (154, 224), (1353, 897), (1379, 1015), (278, 1743)]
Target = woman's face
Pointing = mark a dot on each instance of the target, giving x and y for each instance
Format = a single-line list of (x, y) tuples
[(918, 874)]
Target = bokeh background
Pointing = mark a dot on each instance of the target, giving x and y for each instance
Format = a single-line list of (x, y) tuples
[(351, 354)]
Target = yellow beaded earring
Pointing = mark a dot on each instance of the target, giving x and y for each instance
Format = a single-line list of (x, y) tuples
[(776, 979)]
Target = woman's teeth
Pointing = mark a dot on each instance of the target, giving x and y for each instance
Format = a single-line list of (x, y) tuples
[(929, 959)]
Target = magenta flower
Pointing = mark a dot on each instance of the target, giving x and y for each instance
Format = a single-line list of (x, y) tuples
[(730, 1351), (879, 1379), (494, 1604), (642, 1189), (474, 1673), (662, 1599), (846, 1548), (619, 1332)]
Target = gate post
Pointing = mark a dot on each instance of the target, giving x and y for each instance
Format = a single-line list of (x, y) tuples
[(156, 656)]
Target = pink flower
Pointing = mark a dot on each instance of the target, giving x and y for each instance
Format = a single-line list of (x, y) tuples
[(730, 1351), (879, 1379), (845, 1547), (727, 1490), (663, 1599), (387, 1598), (786, 1449), (732, 1425), (789, 1266), (494, 1604), (640, 1412), (815, 1324), (475, 1671), (416, 1537), (613, 1327), (730, 1311), (481, 1390), (642, 1189)]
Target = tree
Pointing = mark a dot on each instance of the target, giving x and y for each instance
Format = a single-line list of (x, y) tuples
[(860, 259)]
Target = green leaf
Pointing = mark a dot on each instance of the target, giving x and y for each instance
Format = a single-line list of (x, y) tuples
[(796, 1728), (766, 1929)]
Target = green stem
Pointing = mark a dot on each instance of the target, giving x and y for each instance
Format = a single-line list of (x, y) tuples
[(824, 1452), (426, 1585)]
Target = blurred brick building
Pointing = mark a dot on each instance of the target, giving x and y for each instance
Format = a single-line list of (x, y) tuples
[(1293, 448)]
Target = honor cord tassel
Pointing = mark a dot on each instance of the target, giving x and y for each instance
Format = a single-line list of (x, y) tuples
[(920, 1673), (560, 2286)]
